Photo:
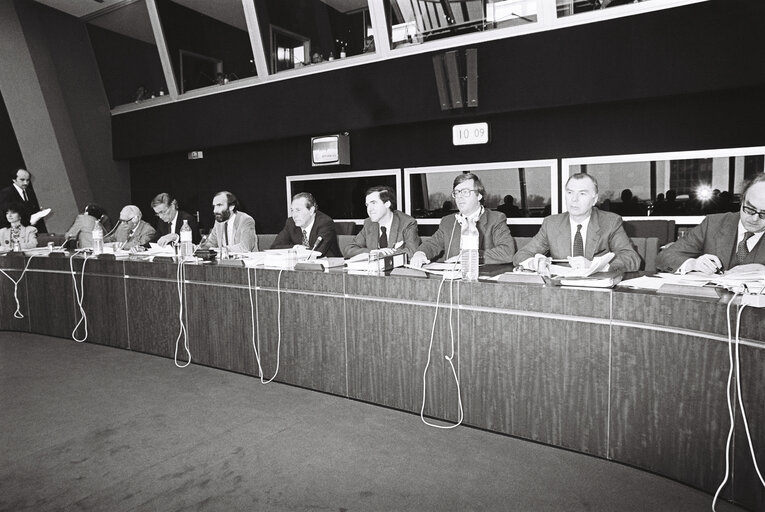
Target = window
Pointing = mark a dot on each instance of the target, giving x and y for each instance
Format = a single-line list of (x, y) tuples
[(524, 191), (686, 185), (341, 195), (298, 33), (127, 55), (416, 21), (208, 44)]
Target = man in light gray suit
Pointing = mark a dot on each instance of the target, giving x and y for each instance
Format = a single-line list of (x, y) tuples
[(233, 229), (579, 234)]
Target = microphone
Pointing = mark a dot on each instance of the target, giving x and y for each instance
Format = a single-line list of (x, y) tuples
[(119, 221), (315, 244)]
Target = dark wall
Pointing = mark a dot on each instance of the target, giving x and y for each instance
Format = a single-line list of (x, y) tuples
[(9, 145), (679, 79)]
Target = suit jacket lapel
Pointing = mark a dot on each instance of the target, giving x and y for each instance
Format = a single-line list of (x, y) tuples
[(561, 242), (393, 235), (726, 240), (759, 250), (593, 235)]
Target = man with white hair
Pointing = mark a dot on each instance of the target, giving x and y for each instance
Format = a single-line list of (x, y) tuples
[(131, 230)]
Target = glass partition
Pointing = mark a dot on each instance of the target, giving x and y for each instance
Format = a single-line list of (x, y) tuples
[(694, 183), (127, 55), (524, 191), (299, 33), (416, 21), (208, 42), (341, 195)]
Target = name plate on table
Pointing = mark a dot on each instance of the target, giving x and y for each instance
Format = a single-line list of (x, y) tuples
[(231, 262), (410, 272), (520, 277), (304, 265), (699, 292)]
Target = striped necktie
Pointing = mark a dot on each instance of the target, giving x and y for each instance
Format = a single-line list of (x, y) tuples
[(578, 242), (743, 251)]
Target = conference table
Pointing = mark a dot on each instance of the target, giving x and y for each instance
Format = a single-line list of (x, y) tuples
[(631, 376)]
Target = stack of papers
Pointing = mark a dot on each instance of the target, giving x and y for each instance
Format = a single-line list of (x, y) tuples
[(598, 264)]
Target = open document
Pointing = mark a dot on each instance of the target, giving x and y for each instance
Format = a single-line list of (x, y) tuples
[(599, 264)]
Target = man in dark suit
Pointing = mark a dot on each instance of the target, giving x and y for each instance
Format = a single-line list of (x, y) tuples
[(171, 220), (385, 227), (723, 240), (21, 192), (579, 234), (306, 225), (496, 244)]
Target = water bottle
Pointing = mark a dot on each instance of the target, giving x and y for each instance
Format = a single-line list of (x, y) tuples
[(16, 245), (98, 239), (187, 248), (469, 251)]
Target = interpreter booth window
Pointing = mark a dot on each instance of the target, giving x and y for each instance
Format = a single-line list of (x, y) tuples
[(300, 33), (342, 195), (208, 42), (525, 192), (416, 21), (678, 185), (127, 55), (571, 7)]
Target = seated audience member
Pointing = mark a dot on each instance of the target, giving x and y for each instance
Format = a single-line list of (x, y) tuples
[(233, 229), (385, 226), (579, 234), (306, 225), (82, 227), (18, 230), (131, 231), (496, 244), (508, 207), (724, 240), (171, 220)]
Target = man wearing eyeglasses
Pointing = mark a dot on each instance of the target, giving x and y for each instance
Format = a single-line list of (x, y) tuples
[(496, 244), (722, 241), (579, 234), (131, 230), (171, 220)]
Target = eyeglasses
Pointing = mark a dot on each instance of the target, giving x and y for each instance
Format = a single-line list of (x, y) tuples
[(753, 211), (465, 192)]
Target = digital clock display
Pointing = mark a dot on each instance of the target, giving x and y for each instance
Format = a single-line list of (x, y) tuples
[(467, 134)]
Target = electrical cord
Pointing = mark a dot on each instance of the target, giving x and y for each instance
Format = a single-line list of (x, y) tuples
[(256, 326), (734, 359), (180, 279), (80, 294), (449, 358), (17, 313)]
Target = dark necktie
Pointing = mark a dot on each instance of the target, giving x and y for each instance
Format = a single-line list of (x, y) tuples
[(26, 199), (578, 242), (742, 251), (305, 238), (225, 231), (383, 237)]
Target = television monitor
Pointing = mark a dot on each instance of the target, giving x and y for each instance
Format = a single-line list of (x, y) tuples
[(330, 150)]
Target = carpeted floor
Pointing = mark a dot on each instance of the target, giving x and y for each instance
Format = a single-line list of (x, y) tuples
[(86, 427)]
